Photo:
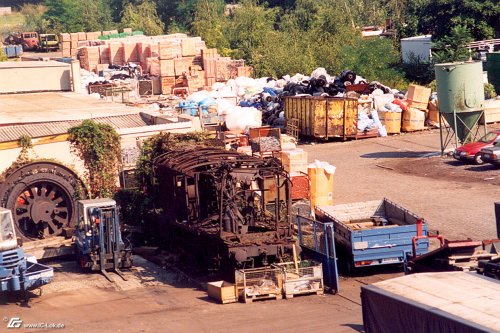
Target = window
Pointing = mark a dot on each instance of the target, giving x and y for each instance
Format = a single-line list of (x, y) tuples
[(6, 227)]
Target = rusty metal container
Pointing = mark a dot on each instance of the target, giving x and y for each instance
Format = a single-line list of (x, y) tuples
[(323, 117)]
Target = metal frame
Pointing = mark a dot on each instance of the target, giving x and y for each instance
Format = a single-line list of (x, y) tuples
[(325, 254), (451, 132)]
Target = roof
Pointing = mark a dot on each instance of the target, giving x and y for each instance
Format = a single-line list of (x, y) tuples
[(32, 64), (37, 130), (56, 106), (418, 38), (469, 296)]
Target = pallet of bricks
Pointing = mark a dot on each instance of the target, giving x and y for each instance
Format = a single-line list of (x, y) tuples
[(221, 69), (172, 61)]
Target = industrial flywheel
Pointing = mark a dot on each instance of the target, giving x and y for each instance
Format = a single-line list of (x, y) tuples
[(42, 197)]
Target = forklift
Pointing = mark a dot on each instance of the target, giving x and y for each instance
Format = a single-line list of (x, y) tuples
[(18, 272), (98, 241)]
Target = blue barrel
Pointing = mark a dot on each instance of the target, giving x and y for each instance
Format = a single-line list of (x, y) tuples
[(19, 50), (11, 51)]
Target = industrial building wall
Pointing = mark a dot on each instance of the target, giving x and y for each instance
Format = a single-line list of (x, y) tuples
[(417, 46), (58, 151), (32, 76)]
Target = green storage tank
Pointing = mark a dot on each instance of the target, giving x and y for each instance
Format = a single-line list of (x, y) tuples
[(493, 68), (460, 92)]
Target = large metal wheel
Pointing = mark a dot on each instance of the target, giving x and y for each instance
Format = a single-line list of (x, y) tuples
[(42, 197)]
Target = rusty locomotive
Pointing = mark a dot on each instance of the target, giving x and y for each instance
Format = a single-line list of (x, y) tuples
[(225, 208)]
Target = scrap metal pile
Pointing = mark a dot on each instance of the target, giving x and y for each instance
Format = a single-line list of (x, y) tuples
[(224, 207)]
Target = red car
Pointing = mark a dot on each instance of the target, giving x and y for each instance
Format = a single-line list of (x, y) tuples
[(470, 152)]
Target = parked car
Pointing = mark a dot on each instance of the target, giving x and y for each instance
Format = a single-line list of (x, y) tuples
[(470, 151), (491, 154)]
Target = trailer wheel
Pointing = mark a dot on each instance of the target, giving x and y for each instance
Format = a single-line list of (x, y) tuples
[(42, 197)]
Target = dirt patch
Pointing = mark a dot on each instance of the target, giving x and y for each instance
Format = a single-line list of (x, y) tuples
[(446, 168)]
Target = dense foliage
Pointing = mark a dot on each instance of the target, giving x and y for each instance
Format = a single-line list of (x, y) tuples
[(289, 36), (98, 146)]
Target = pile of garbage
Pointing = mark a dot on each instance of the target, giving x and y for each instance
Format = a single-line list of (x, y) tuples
[(246, 102)]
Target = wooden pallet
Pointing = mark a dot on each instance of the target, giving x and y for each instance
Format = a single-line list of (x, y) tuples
[(251, 299), (309, 292)]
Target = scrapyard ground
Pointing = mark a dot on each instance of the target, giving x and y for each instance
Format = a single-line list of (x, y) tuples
[(456, 199)]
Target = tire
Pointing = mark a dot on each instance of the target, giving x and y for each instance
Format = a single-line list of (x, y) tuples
[(478, 160)]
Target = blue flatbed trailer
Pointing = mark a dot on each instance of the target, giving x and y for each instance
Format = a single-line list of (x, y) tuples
[(17, 271), (375, 233)]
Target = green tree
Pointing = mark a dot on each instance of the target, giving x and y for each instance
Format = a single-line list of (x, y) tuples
[(209, 23), (34, 19), (453, 47), (438, 17), (78, 15), (142, 16)]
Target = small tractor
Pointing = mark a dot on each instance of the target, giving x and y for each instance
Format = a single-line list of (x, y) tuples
[(98, 242), (18, 272)]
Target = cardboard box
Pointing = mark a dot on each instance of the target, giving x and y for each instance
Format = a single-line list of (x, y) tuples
[(167, 67), (418, 96), (82, 36), (294, 160), (413, 120), (73, 37), (222, 291)]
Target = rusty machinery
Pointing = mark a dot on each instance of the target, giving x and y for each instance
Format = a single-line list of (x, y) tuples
[(225, 208)]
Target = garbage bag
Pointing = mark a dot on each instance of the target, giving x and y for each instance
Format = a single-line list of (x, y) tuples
[(241, 118)]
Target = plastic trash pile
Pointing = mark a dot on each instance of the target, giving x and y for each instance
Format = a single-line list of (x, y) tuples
[(245, 102)]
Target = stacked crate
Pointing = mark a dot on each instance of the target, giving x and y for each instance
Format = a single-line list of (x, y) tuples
[(89, 58), (65, 44), (74, 43), (209, 57), (176, 60), (116, 53), (130, 52)]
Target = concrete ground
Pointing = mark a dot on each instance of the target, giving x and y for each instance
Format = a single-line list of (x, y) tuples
[(456, 199)]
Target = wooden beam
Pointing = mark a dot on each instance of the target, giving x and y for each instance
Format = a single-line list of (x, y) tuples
[(36, 141)]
